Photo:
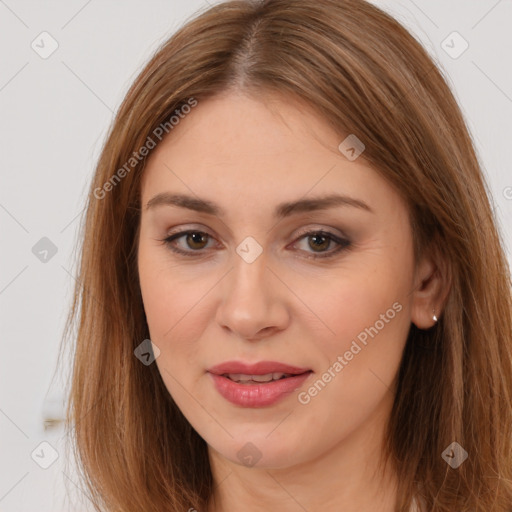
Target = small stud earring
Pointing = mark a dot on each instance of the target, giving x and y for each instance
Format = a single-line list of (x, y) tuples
[(434, 317)]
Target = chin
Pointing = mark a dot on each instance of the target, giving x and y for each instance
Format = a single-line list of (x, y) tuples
[(259, 451)]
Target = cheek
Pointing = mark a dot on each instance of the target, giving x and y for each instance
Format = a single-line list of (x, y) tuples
[(174, 306), (360, 314), (365, 322), (166, 306), (162, 297), (361, 360)]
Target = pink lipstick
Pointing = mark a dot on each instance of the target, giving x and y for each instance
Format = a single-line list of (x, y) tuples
[(257, 385)]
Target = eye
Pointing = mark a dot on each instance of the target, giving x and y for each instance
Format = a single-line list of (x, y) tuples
[(197, 241), (320, 240), (193, 239)]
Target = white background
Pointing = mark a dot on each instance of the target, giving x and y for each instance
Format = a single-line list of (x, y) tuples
[(54, 115)]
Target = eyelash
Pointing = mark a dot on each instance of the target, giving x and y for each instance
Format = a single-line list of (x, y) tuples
[(344, 244)]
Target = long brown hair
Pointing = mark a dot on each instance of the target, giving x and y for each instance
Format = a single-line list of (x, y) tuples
[(365, 75)]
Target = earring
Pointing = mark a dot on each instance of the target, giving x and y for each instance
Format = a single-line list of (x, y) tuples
[(434, 317)]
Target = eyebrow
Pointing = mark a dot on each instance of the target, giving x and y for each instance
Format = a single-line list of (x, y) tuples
[(282, 210)]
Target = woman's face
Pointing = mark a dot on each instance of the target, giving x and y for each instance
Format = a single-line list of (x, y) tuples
[(324, 289)]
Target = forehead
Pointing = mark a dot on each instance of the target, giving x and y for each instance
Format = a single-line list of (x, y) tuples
[(245, 150), (239, 127)]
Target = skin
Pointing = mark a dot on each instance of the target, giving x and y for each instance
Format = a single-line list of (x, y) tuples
[(248, 155)]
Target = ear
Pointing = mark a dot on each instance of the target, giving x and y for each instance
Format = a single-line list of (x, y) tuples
[(432, 283)]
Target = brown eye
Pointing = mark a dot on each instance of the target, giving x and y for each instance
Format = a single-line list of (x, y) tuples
[(320, 241), (194, 241)]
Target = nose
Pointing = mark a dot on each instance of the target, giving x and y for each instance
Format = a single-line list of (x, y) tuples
[(254, 300)]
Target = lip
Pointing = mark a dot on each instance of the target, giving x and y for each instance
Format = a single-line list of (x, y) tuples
[(257, 395), (260, 368)]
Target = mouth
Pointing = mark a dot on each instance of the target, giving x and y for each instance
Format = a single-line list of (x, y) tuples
[(263, 371), (258, 379), (257, 385)]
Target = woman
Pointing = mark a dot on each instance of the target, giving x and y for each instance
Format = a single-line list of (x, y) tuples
[(293, 294)]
